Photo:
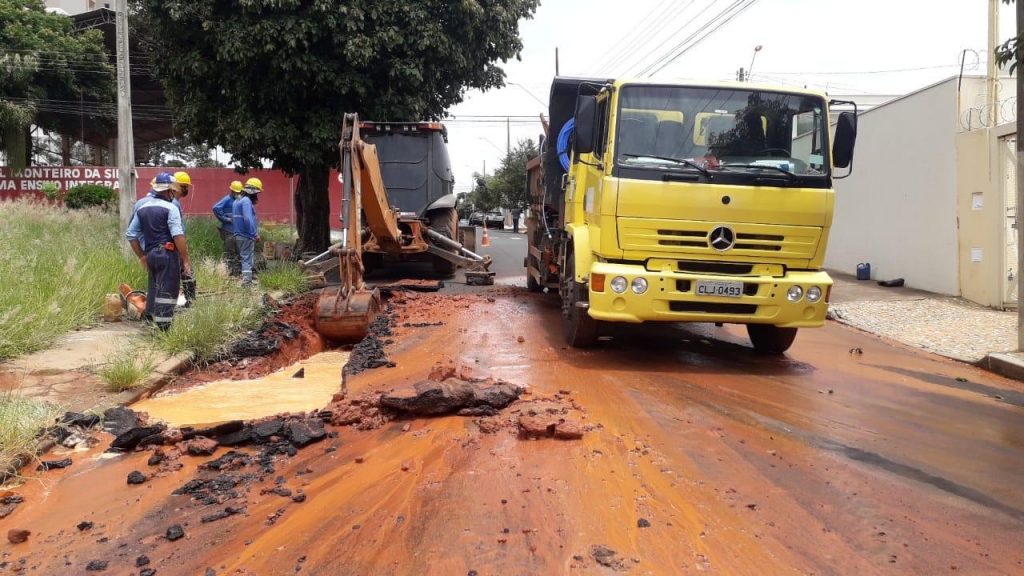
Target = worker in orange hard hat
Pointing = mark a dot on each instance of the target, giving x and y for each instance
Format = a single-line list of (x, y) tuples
[(223, 211)]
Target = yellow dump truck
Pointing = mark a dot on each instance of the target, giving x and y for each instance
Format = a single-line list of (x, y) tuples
[(686, 202)]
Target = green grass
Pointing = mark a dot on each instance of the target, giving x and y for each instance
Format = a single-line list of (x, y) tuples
[(21, 419), (203, 238), (283, 276), (56, 266), (128, 367), (212, 323)]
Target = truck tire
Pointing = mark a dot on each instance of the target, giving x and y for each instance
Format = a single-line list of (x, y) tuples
[(445, 222), (771, 340), (579, 328)]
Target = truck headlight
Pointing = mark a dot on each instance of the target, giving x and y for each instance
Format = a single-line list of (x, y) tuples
[(619, 284), (639, 285), (813, 294), (794, 293)]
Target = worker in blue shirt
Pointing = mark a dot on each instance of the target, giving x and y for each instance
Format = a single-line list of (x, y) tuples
[(157, 223), (243, 218), (165, 183), (223, 211)]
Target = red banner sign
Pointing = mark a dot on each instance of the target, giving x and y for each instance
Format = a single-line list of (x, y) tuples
[(209, 185)]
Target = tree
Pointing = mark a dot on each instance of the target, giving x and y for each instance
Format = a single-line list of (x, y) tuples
[(45, 66), (182, 152), (509, 181), (271, 79), (483, 197), (1009, 52)]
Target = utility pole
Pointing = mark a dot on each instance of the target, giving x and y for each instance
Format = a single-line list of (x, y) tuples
[(508, 136), (993, 70), (1019, 176), (556, 60), (125, 138)]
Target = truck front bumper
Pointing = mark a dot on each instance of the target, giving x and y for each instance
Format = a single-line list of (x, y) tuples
[(672, 297)]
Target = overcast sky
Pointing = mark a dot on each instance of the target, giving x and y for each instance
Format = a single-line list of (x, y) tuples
[(818, 43)]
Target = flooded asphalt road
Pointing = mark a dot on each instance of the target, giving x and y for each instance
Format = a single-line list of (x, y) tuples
[(704, 458)]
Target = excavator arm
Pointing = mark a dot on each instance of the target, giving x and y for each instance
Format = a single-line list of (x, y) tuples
[(365, 188), (345, 310)]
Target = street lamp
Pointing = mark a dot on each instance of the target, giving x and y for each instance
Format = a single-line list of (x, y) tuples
[(750, 70), (523, 88), (491, 143)]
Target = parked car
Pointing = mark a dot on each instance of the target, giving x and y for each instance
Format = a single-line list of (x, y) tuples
[(495, 219), (476, 218)]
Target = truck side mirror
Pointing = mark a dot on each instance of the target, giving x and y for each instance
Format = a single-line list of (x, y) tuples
[(846, 136), (585, 124)]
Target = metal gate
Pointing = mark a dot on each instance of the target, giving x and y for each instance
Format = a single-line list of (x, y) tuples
[(1008, 161)]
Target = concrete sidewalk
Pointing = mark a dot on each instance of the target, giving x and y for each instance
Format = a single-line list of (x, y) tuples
[(65, 373), (944, 325)]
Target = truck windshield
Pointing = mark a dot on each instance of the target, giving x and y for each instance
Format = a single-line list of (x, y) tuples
[(722, 129)]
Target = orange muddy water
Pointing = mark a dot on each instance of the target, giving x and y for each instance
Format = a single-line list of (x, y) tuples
[(707, 459)]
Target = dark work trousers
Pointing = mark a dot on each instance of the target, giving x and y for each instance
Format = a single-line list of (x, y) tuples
[(232, 258), (164, 284), (188, 286)]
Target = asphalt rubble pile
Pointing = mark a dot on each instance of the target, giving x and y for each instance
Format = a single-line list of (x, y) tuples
[(451, 388)]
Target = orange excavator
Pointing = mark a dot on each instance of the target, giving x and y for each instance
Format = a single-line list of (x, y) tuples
[(374, 228)]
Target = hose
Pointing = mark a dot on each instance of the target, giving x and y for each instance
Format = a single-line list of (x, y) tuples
[(563, 143)]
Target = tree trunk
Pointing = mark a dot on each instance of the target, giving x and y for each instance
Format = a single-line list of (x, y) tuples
[(28, 145), (313, 208), (65, 150)]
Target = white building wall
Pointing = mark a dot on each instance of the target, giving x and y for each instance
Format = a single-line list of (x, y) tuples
[(898, 210), (73, 7)]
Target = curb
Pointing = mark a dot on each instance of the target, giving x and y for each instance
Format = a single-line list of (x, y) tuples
[(1004, 365), (163, 374)]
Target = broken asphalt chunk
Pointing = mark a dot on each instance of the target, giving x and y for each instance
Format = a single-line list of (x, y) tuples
[(53, 464), (175, 532)]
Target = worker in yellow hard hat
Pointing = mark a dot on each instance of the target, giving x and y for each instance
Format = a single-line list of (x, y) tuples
[(180, 187), (223, 211), (246, 226)]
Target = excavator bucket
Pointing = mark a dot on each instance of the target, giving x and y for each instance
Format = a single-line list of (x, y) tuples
[(346, 319)]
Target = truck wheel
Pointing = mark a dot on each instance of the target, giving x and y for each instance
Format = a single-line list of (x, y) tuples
[(446, 223), (580, 329), (769, 339)]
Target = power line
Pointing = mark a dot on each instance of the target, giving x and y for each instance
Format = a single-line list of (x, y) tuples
[(655, 49), (616, 58), (726, 16), (654, 34), (864, 72)]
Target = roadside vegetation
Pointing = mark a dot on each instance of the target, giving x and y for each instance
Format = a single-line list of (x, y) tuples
[(56, 265), (128, 367), (65, 261), (21, 419)]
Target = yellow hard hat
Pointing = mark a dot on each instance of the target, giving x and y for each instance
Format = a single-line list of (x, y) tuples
[(255, 183), (236, 186), (182, 178)]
